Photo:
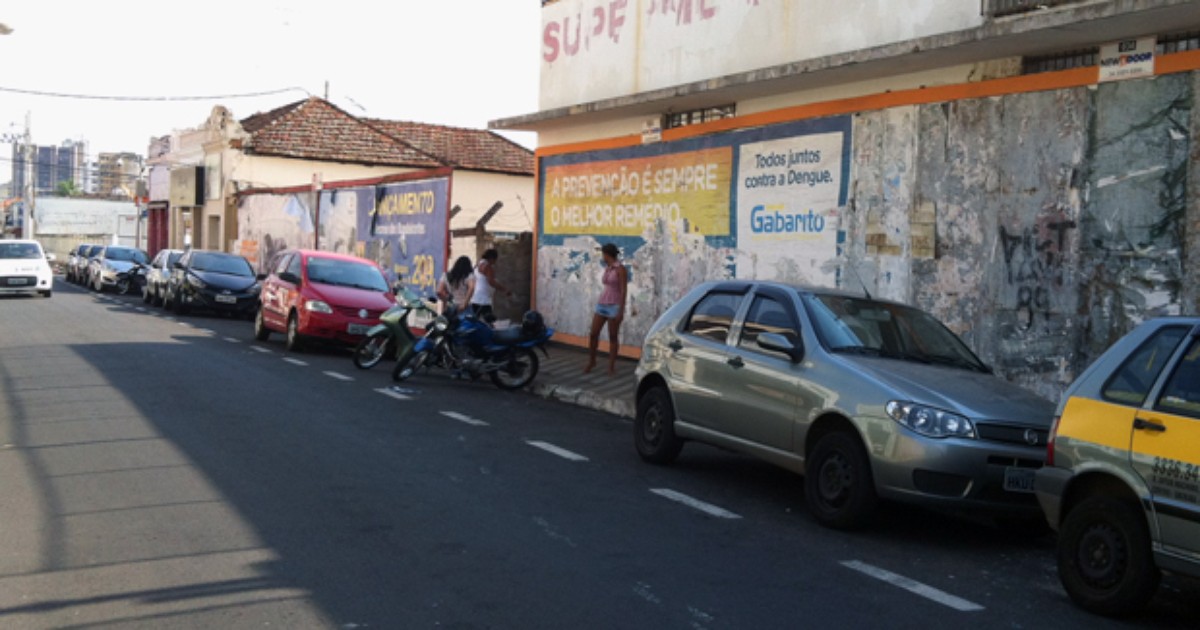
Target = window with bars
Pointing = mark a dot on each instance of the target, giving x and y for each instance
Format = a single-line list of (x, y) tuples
[(698, 116), (1082, 58)]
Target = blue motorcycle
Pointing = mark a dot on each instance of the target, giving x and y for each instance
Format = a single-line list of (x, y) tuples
[(470, 346)]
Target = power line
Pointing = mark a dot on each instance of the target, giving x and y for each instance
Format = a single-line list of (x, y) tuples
[(149, 99)]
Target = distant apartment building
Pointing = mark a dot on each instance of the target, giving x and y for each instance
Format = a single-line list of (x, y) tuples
[(52, 165), (118, 174)]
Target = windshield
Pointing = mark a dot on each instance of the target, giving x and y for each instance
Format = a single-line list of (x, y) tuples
[(126, 254), (854, 325), (345, 273), (222, 263), (173, 258), (95, 249), (11, 251)]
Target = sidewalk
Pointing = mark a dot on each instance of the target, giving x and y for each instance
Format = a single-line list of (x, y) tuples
[(561, 378)]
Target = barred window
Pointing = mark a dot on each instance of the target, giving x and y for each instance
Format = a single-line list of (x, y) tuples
[(698, 116)]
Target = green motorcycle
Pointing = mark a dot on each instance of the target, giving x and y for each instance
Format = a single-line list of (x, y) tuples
[(392, 335)]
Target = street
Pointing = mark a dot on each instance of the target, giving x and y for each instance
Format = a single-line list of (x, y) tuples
[(172, 472)]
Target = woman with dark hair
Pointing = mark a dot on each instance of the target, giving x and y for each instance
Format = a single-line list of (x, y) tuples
[(485, 286), (610, 308), (456, 285)]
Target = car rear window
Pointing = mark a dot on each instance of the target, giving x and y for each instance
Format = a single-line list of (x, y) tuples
[(1132, 382), (1182, 393), (713, 316)]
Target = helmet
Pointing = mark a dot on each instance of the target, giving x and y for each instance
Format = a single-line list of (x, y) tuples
[(533, 324)]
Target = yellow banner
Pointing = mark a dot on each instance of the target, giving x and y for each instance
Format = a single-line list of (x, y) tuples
[(624, 197)]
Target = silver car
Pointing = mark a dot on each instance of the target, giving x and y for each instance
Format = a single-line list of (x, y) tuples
[(867, 399)]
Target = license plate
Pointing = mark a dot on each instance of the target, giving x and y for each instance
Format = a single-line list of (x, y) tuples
[(1019, 479), (17, 282), (227, 299), (358, 329)]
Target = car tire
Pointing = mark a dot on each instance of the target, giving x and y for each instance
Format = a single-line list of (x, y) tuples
[(261, 332), (654, 428), (1104, 557), (294, 342), (178, 306), (46, 294), (156, 299), (838, 486)]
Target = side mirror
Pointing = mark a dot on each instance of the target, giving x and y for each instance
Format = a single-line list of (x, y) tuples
[(776, 342), (260, 277), (50, 257)]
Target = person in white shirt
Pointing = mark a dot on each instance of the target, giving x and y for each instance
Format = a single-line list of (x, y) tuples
[(486, 286)]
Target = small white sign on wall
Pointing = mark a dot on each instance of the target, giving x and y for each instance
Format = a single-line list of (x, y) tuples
[(1129, 59)]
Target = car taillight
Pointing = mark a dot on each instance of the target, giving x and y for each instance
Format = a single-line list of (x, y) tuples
[(1050, 441)]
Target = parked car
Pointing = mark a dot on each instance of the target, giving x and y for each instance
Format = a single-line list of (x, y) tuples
[(78, 262), (215, 281), (110, 268), (866, 398), (157, 275), (1122, 476), (321, 295), (69, 263), (24, 269)]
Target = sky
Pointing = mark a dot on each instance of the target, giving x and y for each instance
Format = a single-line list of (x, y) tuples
[(455, 62)]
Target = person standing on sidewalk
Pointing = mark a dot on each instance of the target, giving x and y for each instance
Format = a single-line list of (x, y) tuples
[(486, 286), (610, 308), (456, 285)]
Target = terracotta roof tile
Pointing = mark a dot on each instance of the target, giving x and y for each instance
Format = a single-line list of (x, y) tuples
[(472, 149), (315, 129)]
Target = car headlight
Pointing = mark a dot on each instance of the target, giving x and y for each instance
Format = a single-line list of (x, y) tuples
[(196, 282), (317, 306), (441, 324), (929, 421), (255, 288)]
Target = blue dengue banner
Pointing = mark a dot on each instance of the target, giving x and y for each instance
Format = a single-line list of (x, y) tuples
[(406, 231)]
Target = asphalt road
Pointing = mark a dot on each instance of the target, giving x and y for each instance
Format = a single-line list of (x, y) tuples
[(157, 472)]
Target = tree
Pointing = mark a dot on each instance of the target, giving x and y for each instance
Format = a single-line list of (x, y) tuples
[(67, 188)]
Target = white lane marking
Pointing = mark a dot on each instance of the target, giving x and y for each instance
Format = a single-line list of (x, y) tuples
[(913, 586), (260, 350), (561, 452), (337, 376), (207, 331), (697, 504), (465, 418), (185, 324), (232, 340), (141, 310), (397, 395), (169, 318), (295, 361)]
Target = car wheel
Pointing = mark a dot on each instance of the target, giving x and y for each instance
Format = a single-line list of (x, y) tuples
[(1104, 558), (294, 343), (261, 332), (838, 487), (46, 293), (156, 299), (178, 306), (654, 428)]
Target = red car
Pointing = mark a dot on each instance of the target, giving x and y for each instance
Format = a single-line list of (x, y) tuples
[(321, 295)]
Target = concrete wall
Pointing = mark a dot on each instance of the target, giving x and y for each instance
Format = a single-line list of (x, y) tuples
[(1039, 226), (596, 49)]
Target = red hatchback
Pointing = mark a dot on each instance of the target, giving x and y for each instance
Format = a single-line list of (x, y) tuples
[(321, 295)]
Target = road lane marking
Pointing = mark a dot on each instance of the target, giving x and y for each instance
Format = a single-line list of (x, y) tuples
[(232, 340), (260, 350), (465, 419), (185, 324), (913, 586), (295, 361), (207, 331), (168, 318), (141, 310), (338, 376), (694, 503), (561, 452), (393, 394)]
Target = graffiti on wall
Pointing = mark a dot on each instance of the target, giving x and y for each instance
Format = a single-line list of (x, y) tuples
[(401, 226), (1034, 265)]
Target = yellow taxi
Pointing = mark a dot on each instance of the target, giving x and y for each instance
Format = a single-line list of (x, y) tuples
[(1122, 477)]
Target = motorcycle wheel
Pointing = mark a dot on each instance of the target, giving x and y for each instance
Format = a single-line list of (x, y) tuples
[(405, 369), (520, 371), (123, 287), (370, 351)]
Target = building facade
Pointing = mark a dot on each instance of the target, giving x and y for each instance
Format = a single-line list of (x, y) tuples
[(1026, 172)]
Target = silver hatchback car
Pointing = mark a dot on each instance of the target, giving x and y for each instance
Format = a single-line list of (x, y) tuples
[(866, 398)]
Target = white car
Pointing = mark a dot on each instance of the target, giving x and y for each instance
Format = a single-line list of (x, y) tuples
[(24, 269)]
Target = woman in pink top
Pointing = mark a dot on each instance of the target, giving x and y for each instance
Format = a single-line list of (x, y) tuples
[(611, 308)]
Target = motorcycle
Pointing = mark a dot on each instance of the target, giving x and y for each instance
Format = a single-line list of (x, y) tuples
[(465, 344), (391, 333), (132, 280)]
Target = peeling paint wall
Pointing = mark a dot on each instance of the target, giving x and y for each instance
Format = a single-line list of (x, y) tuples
[(1041, 227)]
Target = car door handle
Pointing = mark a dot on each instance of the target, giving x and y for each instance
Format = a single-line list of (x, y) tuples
[(676, 345), (1148, 425), (736, 362)]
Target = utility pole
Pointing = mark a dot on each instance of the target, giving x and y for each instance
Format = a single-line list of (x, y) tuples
[(27, 220)]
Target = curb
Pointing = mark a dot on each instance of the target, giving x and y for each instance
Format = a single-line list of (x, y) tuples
[(584, 398)]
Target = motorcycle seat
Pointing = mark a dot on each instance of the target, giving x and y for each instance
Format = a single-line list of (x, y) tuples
[(508, 336)]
